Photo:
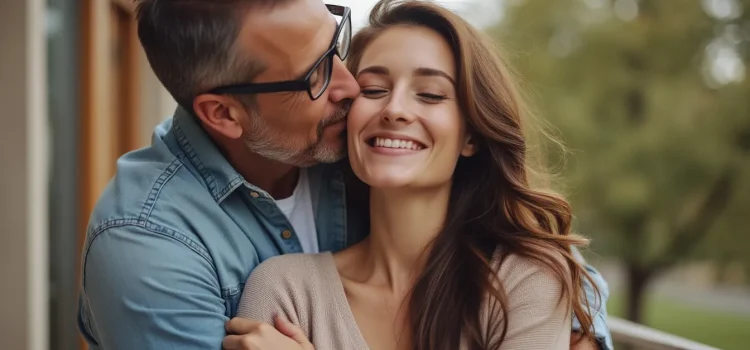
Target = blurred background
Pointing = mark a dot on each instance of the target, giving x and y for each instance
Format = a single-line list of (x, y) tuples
[(650, 97)]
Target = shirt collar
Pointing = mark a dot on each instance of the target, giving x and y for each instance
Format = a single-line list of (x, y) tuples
[(220, 176)]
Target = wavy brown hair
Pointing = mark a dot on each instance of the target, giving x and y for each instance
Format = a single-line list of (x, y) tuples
[(492, 203)]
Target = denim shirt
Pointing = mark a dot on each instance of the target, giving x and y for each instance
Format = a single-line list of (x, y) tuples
[(175, 235)]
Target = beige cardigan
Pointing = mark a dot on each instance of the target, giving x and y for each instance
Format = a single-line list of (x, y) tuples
[(307, 290)]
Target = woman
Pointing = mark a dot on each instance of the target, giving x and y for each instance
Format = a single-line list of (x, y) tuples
[(463, 253)]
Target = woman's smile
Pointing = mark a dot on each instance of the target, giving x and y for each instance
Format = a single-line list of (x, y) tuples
[(394, 145)]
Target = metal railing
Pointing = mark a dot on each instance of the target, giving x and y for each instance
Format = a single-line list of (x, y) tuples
[(631, 335)]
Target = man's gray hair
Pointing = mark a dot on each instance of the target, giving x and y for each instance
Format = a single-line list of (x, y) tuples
[(191, 45)]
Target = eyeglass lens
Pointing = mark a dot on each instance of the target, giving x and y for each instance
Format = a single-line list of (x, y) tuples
[(320, 79)]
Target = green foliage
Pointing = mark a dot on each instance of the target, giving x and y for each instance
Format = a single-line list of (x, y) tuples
[(715, 328), (660, 149)]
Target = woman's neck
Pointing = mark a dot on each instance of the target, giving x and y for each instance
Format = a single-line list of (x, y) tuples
[(403, 223)]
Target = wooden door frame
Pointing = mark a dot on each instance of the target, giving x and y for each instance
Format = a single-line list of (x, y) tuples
[(95, 121), (96, 153), (128, 122)]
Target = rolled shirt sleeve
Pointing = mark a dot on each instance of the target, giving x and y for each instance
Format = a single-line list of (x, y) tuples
[(150, 290)]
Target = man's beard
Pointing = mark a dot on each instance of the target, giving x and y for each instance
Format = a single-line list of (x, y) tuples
[(273, 144)]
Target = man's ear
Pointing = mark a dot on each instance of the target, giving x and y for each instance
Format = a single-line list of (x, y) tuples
[(470, 145), (221, 114)]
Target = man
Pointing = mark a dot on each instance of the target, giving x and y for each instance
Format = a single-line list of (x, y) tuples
[(243, 171)]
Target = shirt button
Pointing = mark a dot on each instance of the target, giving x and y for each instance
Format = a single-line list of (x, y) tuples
[(286, 234), (254, 194)]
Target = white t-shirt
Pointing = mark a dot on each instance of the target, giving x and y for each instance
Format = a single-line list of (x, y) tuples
[(299, 211)]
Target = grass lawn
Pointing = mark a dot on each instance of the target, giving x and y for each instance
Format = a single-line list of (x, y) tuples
[(720, 329)]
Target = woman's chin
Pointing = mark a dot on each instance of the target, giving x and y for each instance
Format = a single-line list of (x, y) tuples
[(385, 181)]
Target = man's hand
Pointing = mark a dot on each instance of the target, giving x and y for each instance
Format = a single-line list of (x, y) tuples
[(584, 344), (244, 334)]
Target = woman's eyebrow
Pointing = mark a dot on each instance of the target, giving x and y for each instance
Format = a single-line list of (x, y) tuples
[(420, 72), (377, 70), (432, 72)]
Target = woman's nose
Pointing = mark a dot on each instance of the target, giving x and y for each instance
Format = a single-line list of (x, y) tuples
[(397, 111)]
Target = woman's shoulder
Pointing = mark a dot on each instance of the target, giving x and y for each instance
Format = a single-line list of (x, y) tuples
[(289, 284), (533, 289), (292, 268), (293, 260), (515, 269)]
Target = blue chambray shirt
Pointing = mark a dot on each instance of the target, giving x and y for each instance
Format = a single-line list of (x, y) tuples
[(175, 235)]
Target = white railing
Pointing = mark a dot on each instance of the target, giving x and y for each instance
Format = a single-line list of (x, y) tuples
[(637, 336)]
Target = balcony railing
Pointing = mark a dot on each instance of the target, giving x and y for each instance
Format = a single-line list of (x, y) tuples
[(631, 335)]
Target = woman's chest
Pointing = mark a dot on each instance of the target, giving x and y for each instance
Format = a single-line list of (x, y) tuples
[(381, 319)]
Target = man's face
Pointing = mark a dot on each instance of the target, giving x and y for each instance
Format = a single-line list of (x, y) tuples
[(289, 126)]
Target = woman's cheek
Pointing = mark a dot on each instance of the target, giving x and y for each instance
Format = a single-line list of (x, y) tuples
[(361, 113)]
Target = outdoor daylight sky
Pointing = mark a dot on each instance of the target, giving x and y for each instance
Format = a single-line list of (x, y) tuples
[(478, 12)]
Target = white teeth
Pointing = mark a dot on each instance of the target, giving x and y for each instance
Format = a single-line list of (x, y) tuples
[(394, 143)]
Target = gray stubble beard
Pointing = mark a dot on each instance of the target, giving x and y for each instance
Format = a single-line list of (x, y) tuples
[(271, 144)]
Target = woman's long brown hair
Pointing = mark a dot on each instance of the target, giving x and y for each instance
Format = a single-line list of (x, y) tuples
[(492, 203)]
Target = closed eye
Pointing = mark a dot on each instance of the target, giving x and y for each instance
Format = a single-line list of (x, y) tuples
[(373, 92), (432, 98)]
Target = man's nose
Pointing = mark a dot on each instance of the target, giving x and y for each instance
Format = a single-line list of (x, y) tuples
[(343, 85)]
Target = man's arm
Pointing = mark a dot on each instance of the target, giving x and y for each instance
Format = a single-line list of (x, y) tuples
[(147, 290), (598, 304)]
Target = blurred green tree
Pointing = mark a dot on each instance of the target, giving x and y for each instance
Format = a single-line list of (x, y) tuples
[(652, 99)]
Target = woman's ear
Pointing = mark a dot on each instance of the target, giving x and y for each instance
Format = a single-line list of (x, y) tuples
[(470, 145)]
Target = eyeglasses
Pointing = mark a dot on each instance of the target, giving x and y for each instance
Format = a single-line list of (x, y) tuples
[(319, 76)]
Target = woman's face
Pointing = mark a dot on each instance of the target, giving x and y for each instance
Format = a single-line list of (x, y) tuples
[(405, 129)]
